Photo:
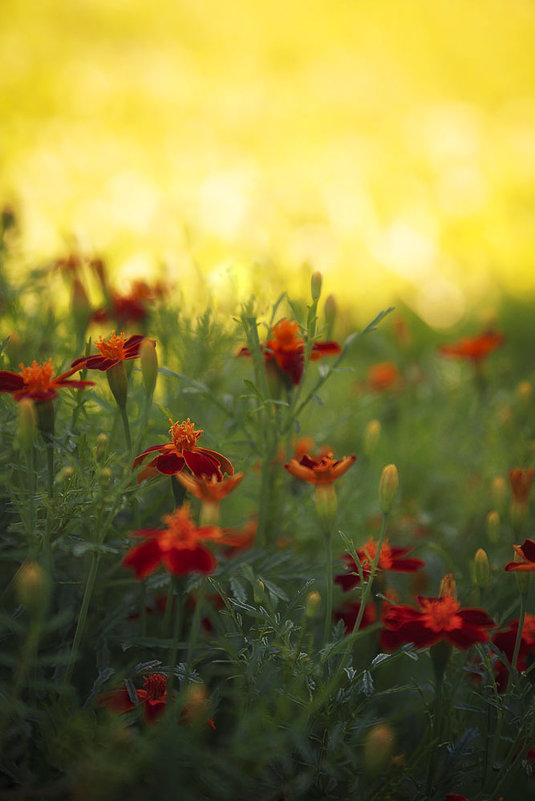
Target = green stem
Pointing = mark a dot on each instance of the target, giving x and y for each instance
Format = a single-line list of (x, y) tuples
[(126, 427), (195, 626), (265, 500), (175, 637), (518, 641), (50, 467), (90, 583), (22, 668), (373, 570), (329, 587)]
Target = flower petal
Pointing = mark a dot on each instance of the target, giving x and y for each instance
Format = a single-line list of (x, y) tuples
[(169, 463), (201, 464), (144, 559), (10, 382), (224, 463), (181, 561)]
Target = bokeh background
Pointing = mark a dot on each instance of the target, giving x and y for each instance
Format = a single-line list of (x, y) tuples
[(389, 144)]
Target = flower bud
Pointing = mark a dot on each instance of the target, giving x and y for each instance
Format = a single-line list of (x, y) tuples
[(372, 433), (326, 504), (64, 474), (524, 391), (31, 586), (312, 604), (118, 383), (379, 747), (448, 587), (493, 526), (315, 285), (388, 487), (197, 705), (105, 475), (101, 450), (149, 365), (499, 493), (259, 591), (329, 310), (481, 569), (81, 307), (27, 423)]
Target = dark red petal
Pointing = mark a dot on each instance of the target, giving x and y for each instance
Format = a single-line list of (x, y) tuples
[(325, 349), (65, 382), (243, 352), (189, 560), (467, 636), (36, 395), (308, 461), (135, 339), (406, 565), (476, 617), (528, 549), (140, 457), (395, 616), (143, 559), (292, 362), (397, 552), (10, 382), (116, 700), (522, 566), (416, 632), (224, 463), (202, 465), (154, 709), (169, 463)]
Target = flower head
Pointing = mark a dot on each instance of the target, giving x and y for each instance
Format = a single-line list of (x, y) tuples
[(474, 349), (38, 382), (183, 451), (390, 558), (209, 490), (153, 697), (525, 557), (319, 471), (111, 351), (286, 348), (505, 641), (178, 547)]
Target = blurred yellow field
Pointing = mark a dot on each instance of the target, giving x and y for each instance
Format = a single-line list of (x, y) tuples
[(387, 144)]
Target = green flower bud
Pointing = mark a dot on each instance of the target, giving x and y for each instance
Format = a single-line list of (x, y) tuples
[(481, 569), (388, 487)]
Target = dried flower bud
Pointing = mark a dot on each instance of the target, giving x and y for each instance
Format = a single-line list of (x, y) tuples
[(388, 487), (448, 587), (27, 423), (481, 569), (372, 433), (149, 365), (493, 526), (379, 747), (197, 705), (312, 604), (31, 586), (315, 285)]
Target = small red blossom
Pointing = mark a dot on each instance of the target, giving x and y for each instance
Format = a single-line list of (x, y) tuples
[(319, 471), (520, 481), (474, 349), (209, 490), (437, 619), (111, 351), (391, 558), (286, 348), (382, 376), (178, 547), (182, 452), (38, 382), (132, 307), (153, 697), (525, 557), (505, 641)]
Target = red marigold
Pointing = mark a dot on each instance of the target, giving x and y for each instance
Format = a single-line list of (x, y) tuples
[(382, 376), (38, 382), (183, 451), (505, 641), (111, 351), (520, 481), (437, 619), (526, 557), (132, 307), (319, 471), (390, 558), (178, 547), (474, 349), (153, 697), (286, 348), (349, 613)]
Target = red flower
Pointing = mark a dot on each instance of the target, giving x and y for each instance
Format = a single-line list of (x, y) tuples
[(392, 559), (319, 471), (153, 697), (178, 547), (349, 612), (382, 376), (38, 382), (132, 307), (437, 619), (474, 349), (287, 348), (505, 641), (183, 451), (526, 557), (111, 351), (521, 481)]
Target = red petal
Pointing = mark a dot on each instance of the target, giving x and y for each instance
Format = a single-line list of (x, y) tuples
[(169, 463), (292, 362), (320, 349), (153, 709), (144, 558), (10, 382), (224, 463), (35, 395), (528, 549), (73, 383), (133, 341), (243, 352), (406, 565), (476, 617), (116, 700), (467, 636), (140, 457), (189, 560), (202, 465)]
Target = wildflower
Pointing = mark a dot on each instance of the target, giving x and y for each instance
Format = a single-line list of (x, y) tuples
[(210, 491), (390, 558), (438, 619), (287, 348), (319, 471), (178, 547), (38, 382), (183, 451), (525, 557), (153, 697), (505, 641), (111, 351), (382, 376), (474, 349)]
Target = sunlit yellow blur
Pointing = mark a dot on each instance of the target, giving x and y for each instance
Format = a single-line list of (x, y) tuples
[(389, 144)]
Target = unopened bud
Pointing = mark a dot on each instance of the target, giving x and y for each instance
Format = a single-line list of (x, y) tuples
[(315, 285), (81, 307), (330, 310), (27, 423), (64, 474), (493, 526), (372, 433), (379, 747), (149, 364), (118, 383), (101, 450), (481, 569), (197, 705), (105, 475), (312, 604), (31, 586), (326, 504), (524, 391), (388, 487), (448, 587), (259, 591), (499, 492)]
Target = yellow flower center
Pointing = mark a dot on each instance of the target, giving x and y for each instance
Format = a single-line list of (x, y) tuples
[(38, 377), (441, 614), (181, 531), (184, 435), (113, 347)]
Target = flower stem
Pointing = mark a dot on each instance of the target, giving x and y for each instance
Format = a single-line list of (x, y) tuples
[(518, 641), (195, 625), (90, 583), (126, 427), (373, 570), (329, 586), (175, 636)]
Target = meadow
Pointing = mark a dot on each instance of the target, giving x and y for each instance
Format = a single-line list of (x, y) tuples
[(283, 553)]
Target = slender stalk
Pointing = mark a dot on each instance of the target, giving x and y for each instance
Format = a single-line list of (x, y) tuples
[(518, 641), (177, 624), (50, 467), (265, 500), (373, 570), (88, 592), (329, 587), (195, 626), (126, 427)]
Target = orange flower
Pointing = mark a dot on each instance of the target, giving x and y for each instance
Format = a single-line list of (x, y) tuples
[(382, 376), (287, 348), (526, 557), (474, 349), (183, 451), (38, 382), (521, 481), (209, 489), (319, 471), (111, 351)]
